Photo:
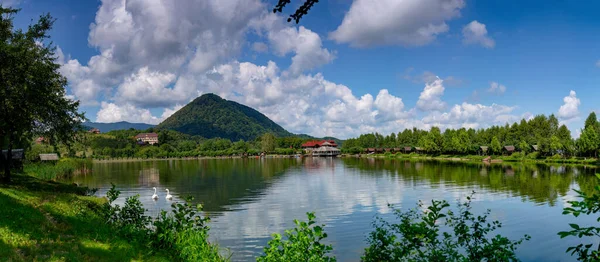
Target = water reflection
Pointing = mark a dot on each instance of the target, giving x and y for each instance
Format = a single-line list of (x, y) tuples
[(249, 199)]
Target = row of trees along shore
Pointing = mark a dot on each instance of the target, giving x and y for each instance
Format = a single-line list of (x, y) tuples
[(545, 132)]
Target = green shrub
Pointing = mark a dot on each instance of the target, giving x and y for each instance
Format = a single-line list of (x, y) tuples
[(185, 234), (418, 236), (589, 204), (517, 155), (533, 155), (303, 244)]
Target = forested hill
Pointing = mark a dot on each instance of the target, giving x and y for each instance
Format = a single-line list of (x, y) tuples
[(211, 116), (106, 127)]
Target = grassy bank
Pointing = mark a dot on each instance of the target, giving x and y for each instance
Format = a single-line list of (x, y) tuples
[(477, 158), (48, 221)]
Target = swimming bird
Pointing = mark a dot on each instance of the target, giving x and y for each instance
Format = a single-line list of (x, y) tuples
[(169, 196), (155, 196)]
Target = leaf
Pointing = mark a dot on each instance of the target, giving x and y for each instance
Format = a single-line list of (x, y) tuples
[(574, 226)]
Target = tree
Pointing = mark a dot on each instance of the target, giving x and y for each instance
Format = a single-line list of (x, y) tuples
[(267, 142), (28, 73), (301, 11), (555, 145), (495, 145), (524, 147)]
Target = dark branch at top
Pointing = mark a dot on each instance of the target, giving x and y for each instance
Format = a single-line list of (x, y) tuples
[(301, 11)]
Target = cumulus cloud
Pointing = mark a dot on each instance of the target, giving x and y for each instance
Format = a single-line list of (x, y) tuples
[(158, 55), (496, 88), (431, 97), (570, 109), (305, 44), (396, 22), (260, 47), (428, 76), (476, 33)]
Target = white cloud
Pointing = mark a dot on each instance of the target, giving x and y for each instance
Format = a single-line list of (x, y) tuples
[(159, 55), (598, 63), (110, 112), (472, 115), (396, 22), (476, 33), (496, 88), (260, 47), (570, 109), (431, 97)]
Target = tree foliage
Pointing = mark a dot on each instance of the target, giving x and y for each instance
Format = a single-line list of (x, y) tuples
[(588, 205), (543, 132), (32, 91), (418, 236), (300, 12)]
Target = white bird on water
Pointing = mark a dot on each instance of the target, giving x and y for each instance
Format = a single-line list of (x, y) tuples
[(169, 196), (155, 196)]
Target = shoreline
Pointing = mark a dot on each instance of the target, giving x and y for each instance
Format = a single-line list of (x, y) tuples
[(445, 158), (479, 159)]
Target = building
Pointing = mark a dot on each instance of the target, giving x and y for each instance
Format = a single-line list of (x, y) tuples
[(40, 140), (509, 149), (483, 150), (321, 148), (147, 138), (49, 157), (94, 131)]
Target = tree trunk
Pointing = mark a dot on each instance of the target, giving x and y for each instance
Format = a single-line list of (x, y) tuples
[(3, 162)]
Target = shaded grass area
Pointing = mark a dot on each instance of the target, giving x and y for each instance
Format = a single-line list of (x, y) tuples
[(47, 221)]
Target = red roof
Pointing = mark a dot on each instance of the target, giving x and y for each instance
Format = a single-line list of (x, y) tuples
[(315, 143)]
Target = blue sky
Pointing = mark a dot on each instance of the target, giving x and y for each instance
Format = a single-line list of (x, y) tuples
[(349, 67)]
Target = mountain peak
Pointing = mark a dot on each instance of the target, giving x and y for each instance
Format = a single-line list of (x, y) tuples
[(212, 116)]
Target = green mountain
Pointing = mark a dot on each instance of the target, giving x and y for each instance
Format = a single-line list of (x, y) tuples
[(211, 116), (105, 127)]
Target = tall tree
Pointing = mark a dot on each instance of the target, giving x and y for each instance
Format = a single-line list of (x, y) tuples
[(268, 143), (495, 145), (32, 91)]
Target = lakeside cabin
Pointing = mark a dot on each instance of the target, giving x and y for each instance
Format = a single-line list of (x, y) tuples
[(508, 149), (483, 150), (94, 131), (321, 148), (147, 138)]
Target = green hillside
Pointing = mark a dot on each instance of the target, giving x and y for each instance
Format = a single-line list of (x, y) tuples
[(211, 116)]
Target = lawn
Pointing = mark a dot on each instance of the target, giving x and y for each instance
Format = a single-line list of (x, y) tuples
[(48, 221)]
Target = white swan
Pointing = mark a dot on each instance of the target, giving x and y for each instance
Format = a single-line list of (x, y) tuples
[(169, 196), (155, 196)]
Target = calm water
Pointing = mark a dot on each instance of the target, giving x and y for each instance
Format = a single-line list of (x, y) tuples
[(249, 199)]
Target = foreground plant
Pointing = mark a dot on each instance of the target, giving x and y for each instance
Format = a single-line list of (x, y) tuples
[(590, 204), (303, 243), (419, 237)]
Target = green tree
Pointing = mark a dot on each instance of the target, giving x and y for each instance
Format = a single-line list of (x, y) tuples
[(32, 91), (555, 145), (524, 147), (495, 145), (267, 142)]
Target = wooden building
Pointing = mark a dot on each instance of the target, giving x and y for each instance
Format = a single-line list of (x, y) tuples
[(321, 148)]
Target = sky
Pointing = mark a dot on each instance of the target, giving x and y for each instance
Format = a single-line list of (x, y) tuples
[(350, 67)]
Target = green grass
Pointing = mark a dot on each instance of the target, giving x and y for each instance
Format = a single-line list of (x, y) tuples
[(48, 221)]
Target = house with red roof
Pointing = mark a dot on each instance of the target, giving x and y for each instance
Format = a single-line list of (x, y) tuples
[(321, 148)]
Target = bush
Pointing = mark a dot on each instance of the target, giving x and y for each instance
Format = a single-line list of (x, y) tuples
[(418, 236), (589, 204), (517, 155), (303, 244), (533, 155), (129, 219)]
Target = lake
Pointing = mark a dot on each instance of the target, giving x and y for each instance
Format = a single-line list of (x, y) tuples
[(249, 199)]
